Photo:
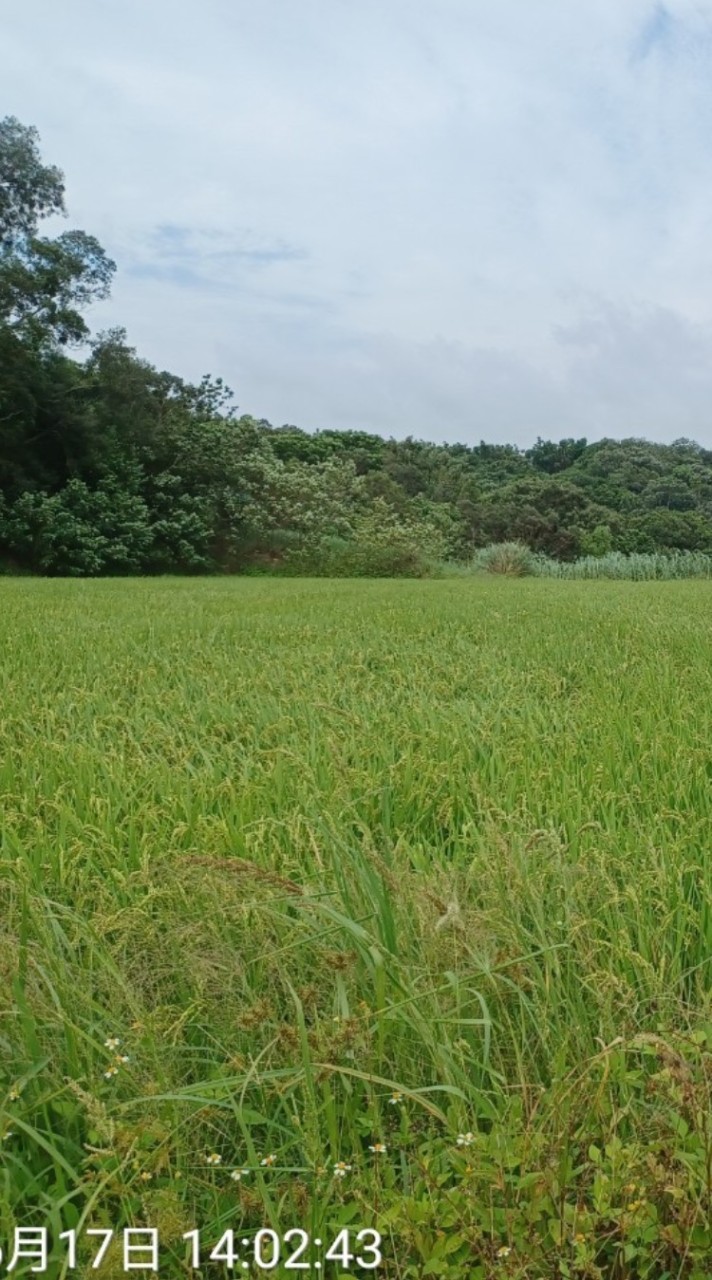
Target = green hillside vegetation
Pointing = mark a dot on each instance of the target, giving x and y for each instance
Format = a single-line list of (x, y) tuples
[(110, 466)]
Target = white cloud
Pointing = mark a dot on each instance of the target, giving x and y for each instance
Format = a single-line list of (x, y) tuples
[(387, 215)]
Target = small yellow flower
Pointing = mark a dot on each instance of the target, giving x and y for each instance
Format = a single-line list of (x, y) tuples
[(378, 1148), (213, 1158), (238, 1174), (123, 1057), (113, 1042), (110, 1073), (145, 1176), (504, 1251), (268, 1161), (465, 1139), (13, 1095), (395, 1098), (341, 1169), (579, 1238)]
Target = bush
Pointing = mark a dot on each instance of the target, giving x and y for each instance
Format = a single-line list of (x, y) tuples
[(511, 558), (599, 542), (78, 532), (379, 544), (180, 528), (340, 558)]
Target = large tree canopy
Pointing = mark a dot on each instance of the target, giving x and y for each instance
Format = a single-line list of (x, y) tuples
[(29, 189), (45, 282)]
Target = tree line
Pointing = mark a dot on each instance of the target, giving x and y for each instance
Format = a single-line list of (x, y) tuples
[(110, 466)]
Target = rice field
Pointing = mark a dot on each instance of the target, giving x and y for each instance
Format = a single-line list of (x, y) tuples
[(337, 905)]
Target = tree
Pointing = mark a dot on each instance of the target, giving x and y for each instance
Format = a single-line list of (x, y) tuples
[(552, 458), (29, 190), (44, 283)]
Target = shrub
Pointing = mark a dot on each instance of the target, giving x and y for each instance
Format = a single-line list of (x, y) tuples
[(511, 558), (340, 558), (378, 544), (599, 542), (78, 532), (180, 528)]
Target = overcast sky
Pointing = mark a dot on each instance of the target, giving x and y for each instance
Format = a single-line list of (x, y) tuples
[(444, 218)]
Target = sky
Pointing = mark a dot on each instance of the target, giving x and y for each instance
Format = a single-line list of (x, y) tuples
[(447, 219)]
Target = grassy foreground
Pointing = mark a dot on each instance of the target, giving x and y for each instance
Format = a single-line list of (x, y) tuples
[(347, 865)]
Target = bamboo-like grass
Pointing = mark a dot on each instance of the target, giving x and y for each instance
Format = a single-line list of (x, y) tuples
[(636, 567)]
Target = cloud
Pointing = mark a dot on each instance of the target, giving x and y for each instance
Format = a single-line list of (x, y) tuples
[(656, 33), (202, 258), (684, 35), (391, 216), (646, 372)]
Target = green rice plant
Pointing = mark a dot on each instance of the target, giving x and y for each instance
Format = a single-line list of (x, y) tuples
[(338, 902)]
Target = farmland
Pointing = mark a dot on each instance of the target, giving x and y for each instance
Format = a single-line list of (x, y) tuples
[(348, 865)]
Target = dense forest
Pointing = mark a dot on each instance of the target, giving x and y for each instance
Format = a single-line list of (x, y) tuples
[(110, 466)]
